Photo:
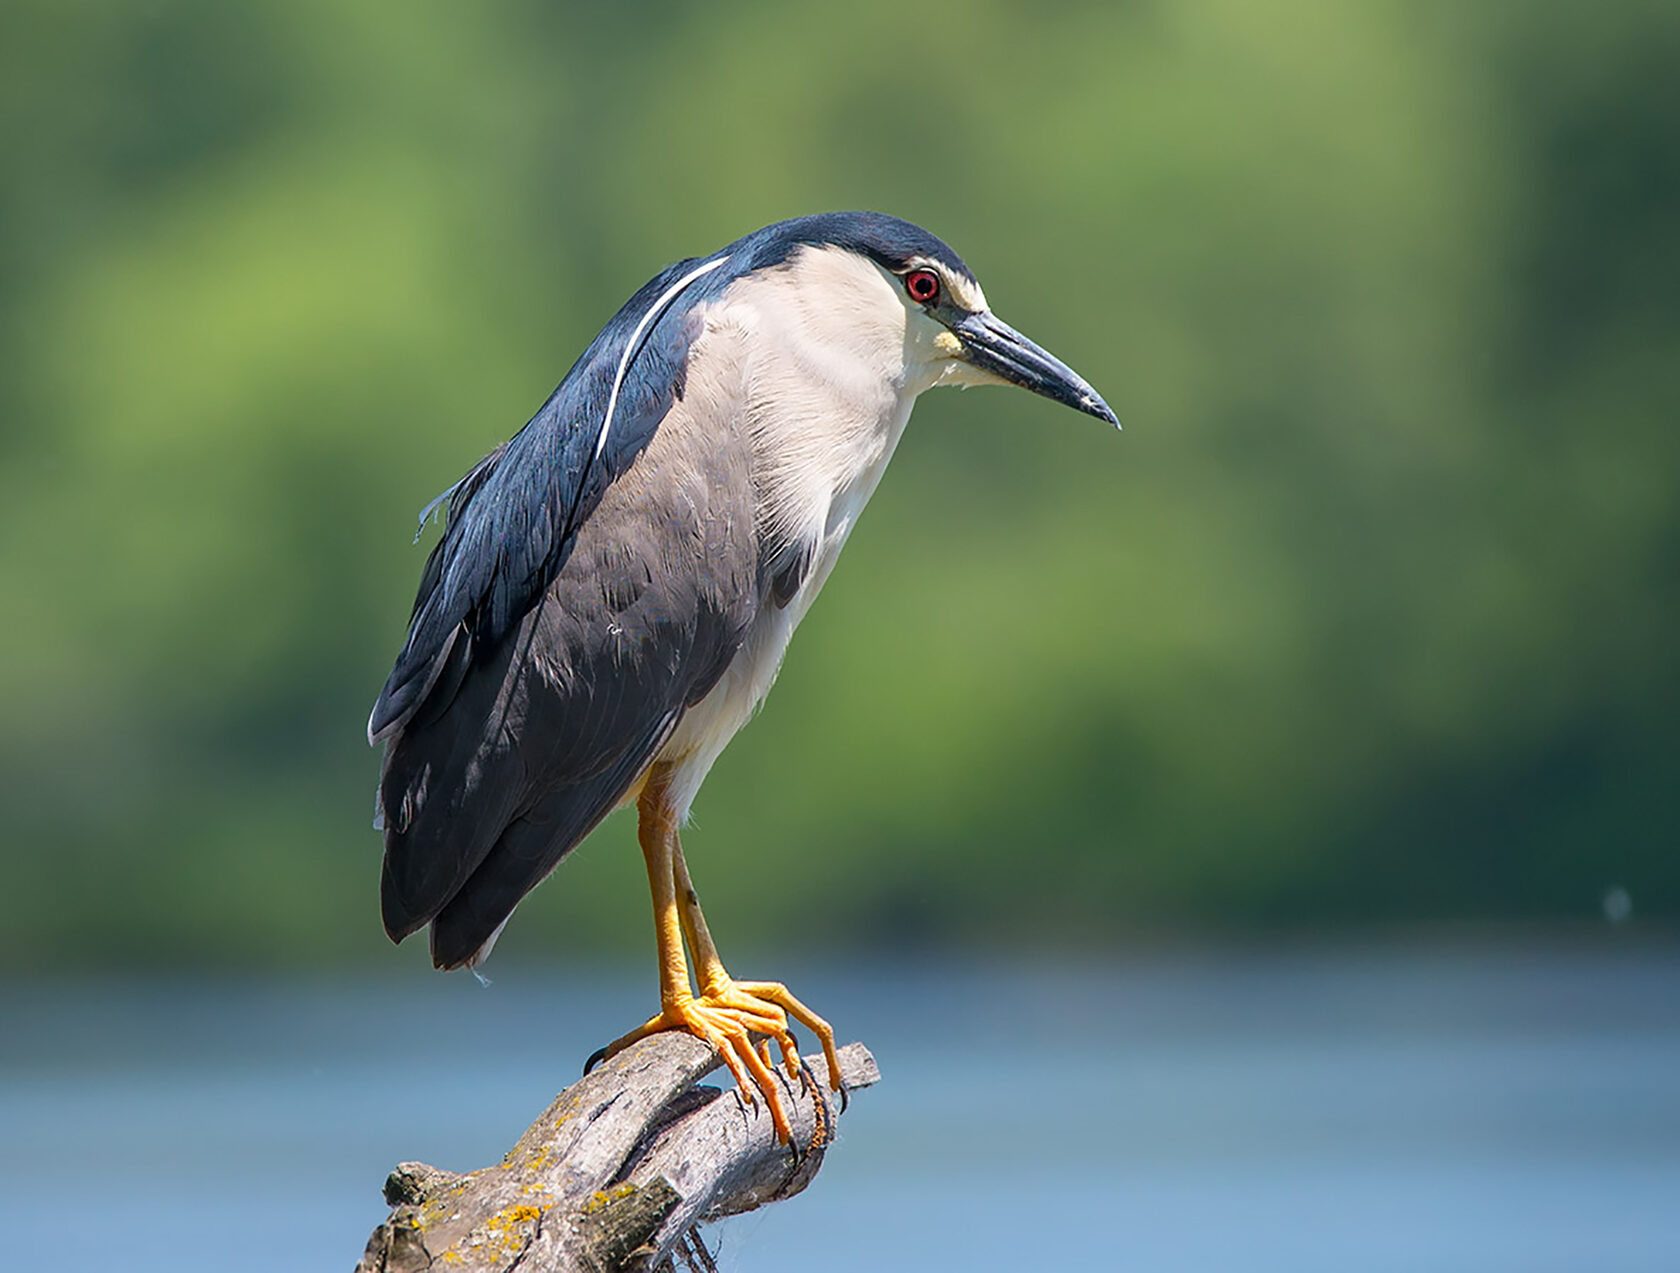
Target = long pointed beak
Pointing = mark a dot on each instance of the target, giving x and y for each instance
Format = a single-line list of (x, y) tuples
[(993, 346)]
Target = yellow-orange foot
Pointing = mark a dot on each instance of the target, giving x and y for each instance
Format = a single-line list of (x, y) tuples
[(727, 1016)]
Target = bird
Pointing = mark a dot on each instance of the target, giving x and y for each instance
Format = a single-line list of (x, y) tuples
[(616, 584)]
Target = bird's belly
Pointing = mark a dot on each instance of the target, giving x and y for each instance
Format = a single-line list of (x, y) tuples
[(707, 727)]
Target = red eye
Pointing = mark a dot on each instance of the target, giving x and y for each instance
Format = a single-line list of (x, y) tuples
[(923, 286)]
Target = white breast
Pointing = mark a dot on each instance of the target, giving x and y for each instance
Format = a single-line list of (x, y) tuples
[(828, 396)]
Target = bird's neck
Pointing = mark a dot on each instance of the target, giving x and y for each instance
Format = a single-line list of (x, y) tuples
[(828, 386)]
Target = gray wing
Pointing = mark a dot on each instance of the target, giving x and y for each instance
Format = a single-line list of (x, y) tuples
[(514, 517), (516, 753)]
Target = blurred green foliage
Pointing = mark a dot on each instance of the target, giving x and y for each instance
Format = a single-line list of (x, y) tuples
[(1368, 617)]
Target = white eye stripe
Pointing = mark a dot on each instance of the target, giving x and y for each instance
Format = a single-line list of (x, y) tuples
[(654, 310)]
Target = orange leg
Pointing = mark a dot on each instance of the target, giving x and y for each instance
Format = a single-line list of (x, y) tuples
[(763, 997), (727, 1013)]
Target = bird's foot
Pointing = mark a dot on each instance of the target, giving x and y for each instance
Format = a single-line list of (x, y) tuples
[(776, 996), (727, 1015)]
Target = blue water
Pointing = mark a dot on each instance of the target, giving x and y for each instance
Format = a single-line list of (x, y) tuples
[(1476, 1111)]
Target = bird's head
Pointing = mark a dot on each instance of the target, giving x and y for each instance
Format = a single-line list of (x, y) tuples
[(868, 269)]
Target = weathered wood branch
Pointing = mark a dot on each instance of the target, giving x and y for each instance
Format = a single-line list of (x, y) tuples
[(617, 1171)]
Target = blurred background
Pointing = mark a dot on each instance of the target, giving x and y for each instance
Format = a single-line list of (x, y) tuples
[(1356, 650)]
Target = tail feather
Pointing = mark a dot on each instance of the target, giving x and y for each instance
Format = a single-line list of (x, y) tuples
[(531, 846)]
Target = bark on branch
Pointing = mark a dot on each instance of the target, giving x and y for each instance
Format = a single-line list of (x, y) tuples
[(617, 1171)]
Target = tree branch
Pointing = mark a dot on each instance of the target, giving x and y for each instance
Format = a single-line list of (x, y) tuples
[(616, 1172)]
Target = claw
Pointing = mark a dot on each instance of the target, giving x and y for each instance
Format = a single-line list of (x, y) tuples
[(727, 1023), (595, 1058), (741, 1020), (774, 992)]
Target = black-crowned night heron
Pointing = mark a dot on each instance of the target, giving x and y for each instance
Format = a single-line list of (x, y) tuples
[(616, 585)]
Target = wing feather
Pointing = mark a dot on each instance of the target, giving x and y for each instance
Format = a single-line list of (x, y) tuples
[(513, 518), (510, 735)]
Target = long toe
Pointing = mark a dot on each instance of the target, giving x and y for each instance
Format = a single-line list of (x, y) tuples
[(741, 1019)]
